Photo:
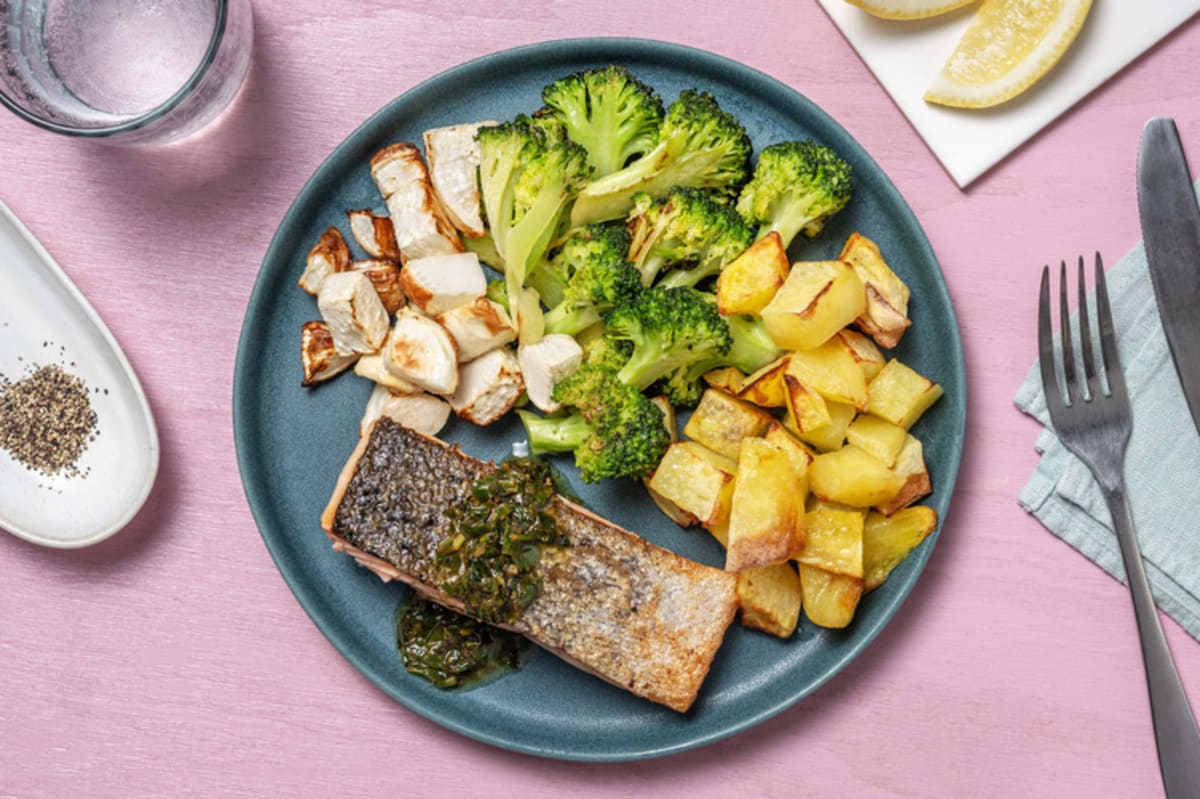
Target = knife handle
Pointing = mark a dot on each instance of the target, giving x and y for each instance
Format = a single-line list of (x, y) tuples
[(1175, 729)]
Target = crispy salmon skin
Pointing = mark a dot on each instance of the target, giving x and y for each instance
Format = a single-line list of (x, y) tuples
[(636, 615)]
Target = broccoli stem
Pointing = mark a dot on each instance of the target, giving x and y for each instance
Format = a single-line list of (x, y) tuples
[(554, 433)]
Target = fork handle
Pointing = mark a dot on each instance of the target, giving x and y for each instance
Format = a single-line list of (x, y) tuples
[(1174, 725)]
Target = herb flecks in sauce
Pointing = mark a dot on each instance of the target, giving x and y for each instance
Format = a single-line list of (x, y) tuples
[(449, 649), (491, 552)]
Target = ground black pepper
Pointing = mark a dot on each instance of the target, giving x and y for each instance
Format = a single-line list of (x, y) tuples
[(46, 420)]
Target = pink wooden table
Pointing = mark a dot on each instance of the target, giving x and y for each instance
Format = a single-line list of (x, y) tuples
[(173, 660)]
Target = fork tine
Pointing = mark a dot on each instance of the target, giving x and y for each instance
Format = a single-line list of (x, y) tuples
[(1085, 338), (1046, 347), (1071, 391), (1108, 336)]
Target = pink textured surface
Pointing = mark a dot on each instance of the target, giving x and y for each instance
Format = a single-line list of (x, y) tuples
[(172, 659)]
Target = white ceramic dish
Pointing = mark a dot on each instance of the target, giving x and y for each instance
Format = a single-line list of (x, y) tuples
[(44, 319), (906, 55)]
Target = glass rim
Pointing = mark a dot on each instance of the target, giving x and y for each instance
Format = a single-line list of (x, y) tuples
[(142, 120)]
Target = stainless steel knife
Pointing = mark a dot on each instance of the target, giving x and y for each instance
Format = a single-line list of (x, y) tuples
[(1171, 229)]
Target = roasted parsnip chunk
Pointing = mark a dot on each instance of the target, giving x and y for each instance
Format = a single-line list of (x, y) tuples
[(374, 234), (421, 226), (453, 155), (355, 314), (330, 254), (318, 355), (488, 387), (420, 351)]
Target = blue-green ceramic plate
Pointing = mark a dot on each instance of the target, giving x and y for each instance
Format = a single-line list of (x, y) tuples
[(291, 442)]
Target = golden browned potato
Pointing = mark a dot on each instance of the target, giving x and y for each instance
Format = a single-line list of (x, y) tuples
[(829, 600), (767, 506), (806, 409), (862, 350), (850, 476), (886, 316), (832, 372), (672, 511), (831, 436), (887, 540), (877, 437), (727, 378), (721, 421), (770, 597), (817, 300), (910, 464), (833, 541), (766, 387), (901, 395), (749, 282), (696, 480), (800, 454)]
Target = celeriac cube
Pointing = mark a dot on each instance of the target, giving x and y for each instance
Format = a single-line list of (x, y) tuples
[(330, 254), (453, 155), (318, 356), (372, 368), (721, 421), (478, 327), (385, 277), (900, 394), (748, 282), (422, 412), (418, 220), (420, 351), (817, 300), (544, 363), (488, 387), (351, 307), (852, 477), (439, 283), (374, 234)]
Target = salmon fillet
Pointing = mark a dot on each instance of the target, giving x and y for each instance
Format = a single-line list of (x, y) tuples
[(612, 604)]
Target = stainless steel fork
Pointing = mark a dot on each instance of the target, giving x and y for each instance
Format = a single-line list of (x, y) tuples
[(1094, 424)]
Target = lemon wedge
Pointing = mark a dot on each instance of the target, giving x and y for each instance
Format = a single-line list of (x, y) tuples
[(1009, 46), (908, 9)]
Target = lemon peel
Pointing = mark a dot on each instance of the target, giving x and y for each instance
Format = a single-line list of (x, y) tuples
[(908, 9)]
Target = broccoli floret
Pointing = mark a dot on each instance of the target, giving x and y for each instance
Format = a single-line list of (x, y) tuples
[(549, 279), (612, 114), (700, 145), (606, 352), (752, 349), (691, 228), (548, 123), (669, 329), (600, 278), (526, 184), (797, 185), (614, 431)]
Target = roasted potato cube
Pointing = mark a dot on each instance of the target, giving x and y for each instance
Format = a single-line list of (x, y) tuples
[(330, 254), (800, 454), (727, 378), (910, 464), (770, 597), (887, 540), (900, 394), (886, 316), (829, 600), (833, 541), (766, 387), (721, 421), (806, 409), (832, 372), (320, 359), (850, 476), (673, 511), (862, 350), (766, 507), (831, 436), (749, 281), (877, 437), (697, 480), (817, 300)]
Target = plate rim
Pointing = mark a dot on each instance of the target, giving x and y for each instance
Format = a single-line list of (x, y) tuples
[(595, 48)]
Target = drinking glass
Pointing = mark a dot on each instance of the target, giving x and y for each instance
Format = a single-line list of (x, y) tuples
[(123, 71)]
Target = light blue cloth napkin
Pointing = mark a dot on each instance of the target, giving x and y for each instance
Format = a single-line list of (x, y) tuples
[(1162, 464)]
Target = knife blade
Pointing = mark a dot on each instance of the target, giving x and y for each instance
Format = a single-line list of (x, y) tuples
[(1171, 229)]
